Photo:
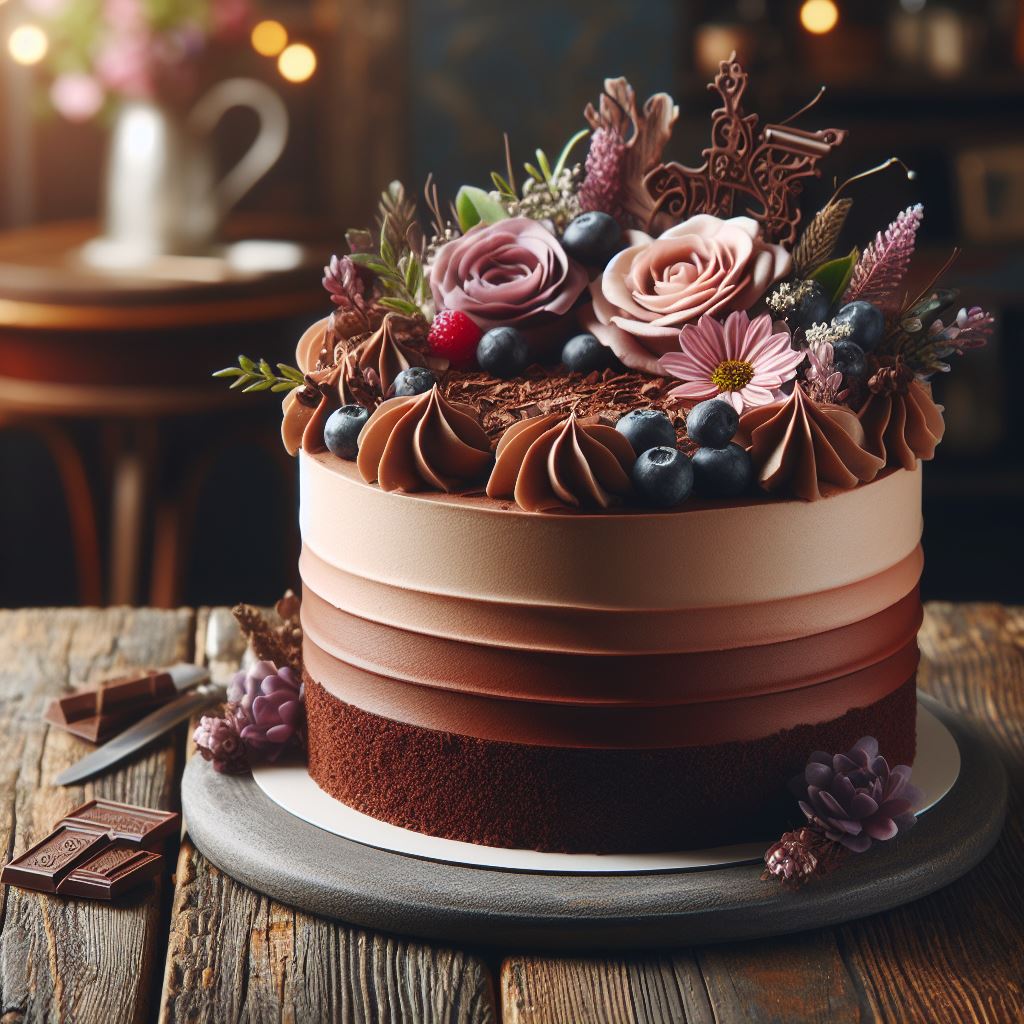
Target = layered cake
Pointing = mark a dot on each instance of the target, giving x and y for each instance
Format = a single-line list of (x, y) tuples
[(611, 490)]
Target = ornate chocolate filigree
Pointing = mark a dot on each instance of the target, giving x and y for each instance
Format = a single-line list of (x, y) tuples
[(766, 167)]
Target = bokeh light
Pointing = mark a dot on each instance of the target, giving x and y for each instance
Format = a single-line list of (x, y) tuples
[(269, 38), (28, 44), (297, 62), (819, 16)]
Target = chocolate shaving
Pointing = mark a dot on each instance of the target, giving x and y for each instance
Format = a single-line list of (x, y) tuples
[(275, 637), (606, 395)]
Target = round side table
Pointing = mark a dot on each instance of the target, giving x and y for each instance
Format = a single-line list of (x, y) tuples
[(129, 352)]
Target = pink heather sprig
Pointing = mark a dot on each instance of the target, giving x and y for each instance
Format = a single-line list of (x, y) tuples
[(824, 382), (602, 187), (969, 330), (883, 264), (345, 285)]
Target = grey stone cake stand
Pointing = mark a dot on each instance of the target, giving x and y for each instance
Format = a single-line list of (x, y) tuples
[(261, 845)]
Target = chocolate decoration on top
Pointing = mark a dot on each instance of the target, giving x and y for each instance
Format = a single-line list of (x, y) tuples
[(144, 826), (764, 166)]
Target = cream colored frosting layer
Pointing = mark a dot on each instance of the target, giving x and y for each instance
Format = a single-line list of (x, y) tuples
[(698, 557)]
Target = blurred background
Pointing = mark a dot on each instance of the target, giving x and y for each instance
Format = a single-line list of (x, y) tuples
[(131, 267)]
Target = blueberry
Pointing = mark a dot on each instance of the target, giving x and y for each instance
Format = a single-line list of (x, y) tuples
[(722, 472), (503, 352), (867, 324), (592, 238), (850, 361), (663, 477), (341, 431), (647, 428), (585, 353), (417, 380), (811, 308), (713, 423)]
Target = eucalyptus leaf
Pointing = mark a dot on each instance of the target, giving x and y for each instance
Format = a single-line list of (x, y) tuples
[(474, 206), (835, 275)]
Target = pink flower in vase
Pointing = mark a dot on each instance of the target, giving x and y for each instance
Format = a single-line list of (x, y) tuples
[(743, 361), (76, 96), (124, 65)]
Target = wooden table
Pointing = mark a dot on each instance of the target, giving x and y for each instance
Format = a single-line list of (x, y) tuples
[(133, 352), (200, 947)]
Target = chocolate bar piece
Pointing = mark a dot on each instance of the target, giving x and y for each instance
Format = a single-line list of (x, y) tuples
[(49, 862), (98, 713), (112, 872), (142, 826)]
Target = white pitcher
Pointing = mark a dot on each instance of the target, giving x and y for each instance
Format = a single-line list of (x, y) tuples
[(162, 196)]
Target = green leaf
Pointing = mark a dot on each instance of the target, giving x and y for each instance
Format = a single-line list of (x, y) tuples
[(542, 159), (291, 372), (400, 305), (534, 173), (229, 371), (835, 275), (387, 254), (260, 385), (371, 261), (503, 187), (247, 364), (474, 206), (563, 157), (285, 385)]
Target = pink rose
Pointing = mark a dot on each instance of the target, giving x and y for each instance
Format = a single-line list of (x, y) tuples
[(511, 272), (703, 265)]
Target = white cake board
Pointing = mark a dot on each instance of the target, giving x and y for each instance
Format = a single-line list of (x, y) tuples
[(936, 768)]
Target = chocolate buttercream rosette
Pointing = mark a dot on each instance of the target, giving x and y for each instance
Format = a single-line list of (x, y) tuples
[(901, 421), (552, 462), (423, 443), (798, 445)]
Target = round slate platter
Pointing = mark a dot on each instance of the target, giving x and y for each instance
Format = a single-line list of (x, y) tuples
[(250, 838)]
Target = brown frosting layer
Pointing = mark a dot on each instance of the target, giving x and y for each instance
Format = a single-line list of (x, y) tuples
[(901, 421), (797, 445), (530, 797), (611, 726), (409, 444), (705, 555), (550, 463), (622, 680), (526, 627)]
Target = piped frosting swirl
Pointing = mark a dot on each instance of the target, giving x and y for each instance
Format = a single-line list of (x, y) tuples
[(423, 443), (384, 356), (901, 421), (552, 462), (797, 445)]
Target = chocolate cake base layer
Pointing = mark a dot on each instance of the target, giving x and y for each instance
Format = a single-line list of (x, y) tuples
[(571, 800)]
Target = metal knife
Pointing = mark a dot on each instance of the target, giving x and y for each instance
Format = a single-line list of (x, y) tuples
[(197, 693)]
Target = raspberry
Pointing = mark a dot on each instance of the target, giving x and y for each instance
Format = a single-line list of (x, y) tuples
[(454, 337)]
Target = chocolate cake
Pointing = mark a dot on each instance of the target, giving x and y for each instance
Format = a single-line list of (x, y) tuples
[(611, 493)]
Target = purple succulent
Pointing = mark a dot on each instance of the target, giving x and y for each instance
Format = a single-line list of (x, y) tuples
[(266, 704), (855, 797), (219, 741)]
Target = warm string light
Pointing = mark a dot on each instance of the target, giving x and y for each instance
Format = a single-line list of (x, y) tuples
[(297, 62), (27, 44), (819, 16), (269, 38)]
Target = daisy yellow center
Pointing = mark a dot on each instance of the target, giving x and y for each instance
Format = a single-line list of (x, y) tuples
[(732, 375)]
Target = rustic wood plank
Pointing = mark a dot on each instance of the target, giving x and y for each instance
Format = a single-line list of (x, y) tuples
[(537, 990), (63, 959), (235, 955), (957, 955)]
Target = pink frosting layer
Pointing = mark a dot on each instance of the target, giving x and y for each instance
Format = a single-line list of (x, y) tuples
[(698, 557)]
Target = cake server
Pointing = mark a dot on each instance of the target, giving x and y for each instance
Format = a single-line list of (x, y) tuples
[(197, 693)]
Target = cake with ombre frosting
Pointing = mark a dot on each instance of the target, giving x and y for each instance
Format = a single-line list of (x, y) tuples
[(610, 492)]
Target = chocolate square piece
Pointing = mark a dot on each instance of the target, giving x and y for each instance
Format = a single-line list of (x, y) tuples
[(45, 865), (143, 826), (115, 870)]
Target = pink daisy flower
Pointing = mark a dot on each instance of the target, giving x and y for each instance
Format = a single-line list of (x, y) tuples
[(742, 361)]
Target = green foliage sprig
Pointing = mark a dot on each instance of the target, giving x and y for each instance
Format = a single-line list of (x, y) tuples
[(400, 274), (250, 375), (542, 172)]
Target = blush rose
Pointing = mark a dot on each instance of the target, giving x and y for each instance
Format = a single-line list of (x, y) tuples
[(705, 265), (514, 271)]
